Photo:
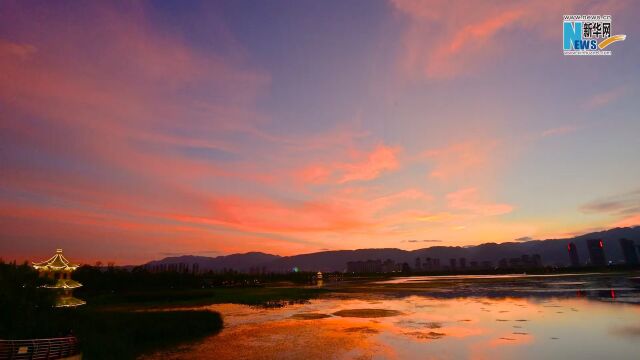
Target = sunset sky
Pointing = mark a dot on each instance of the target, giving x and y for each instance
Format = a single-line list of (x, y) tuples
[(134, 131)]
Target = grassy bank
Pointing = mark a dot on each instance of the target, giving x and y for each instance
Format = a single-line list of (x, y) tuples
[(125, 335), (117, 327)]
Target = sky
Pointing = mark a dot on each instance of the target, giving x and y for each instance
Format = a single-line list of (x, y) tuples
[(131, 131)]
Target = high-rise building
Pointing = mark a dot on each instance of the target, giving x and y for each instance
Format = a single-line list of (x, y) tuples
[(596, 252), (629, 251), (418, 264), (463, 262), (452, 263), (573, 255)]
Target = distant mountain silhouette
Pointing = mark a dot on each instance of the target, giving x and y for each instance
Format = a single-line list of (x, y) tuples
[(553, 252), (240, 262)]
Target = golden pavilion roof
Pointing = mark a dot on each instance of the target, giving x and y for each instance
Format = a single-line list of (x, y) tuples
[(56, 263), (64, 284)]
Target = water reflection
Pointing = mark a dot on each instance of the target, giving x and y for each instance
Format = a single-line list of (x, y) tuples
[(425, 318)]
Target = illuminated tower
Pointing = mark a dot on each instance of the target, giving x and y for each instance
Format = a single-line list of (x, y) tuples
[(629, 251), (596, 252), (59, 268), (573, 254)]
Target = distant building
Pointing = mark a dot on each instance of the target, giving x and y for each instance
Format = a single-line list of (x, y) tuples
[(536, 261), (515, 263), (427, 264), (390, 266), (452, 264), (463, 263), (369, 266), (436, 264), (418, 264), (473, 264), (523, 262), (596, 252), (629, 251), (487, 264), (573, 254), (58, 268)]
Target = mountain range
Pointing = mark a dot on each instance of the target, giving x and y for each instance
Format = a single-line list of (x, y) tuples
[(552, 251)]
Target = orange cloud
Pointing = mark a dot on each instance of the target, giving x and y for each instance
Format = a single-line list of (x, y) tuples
[(93, 236)]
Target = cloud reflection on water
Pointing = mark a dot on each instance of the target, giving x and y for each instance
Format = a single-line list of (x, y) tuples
[(419, 326)]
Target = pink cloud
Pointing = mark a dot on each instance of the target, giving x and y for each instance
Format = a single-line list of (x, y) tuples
[(21, 51), (607, 97), (624, 207), (446, 39), (364, 166), (382, 158), (104, 128), (460, 159), (469, 200), (559, 131), (408, 194)]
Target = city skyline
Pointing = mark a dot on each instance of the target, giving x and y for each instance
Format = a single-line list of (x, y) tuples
[(130, 131)]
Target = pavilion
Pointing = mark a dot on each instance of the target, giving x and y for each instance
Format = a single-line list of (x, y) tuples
[(59, 269)]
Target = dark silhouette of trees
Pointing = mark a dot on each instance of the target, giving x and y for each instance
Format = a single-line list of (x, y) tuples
[(26, 309)]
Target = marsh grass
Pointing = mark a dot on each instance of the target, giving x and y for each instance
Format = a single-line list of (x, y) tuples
[(256, 296)]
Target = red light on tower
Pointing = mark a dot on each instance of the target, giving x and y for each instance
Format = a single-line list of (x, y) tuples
[(601, 244), (569, 248)]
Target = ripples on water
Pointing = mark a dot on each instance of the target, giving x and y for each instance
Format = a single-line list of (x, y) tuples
[(505, 317)]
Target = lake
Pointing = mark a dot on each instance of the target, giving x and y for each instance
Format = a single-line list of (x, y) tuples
[(582, 316)]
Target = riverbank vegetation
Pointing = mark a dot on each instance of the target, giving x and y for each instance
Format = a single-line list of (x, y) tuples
[(27, 312), (118, 321)]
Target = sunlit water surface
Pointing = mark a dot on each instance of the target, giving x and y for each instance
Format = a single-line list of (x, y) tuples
[(578, 317)]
